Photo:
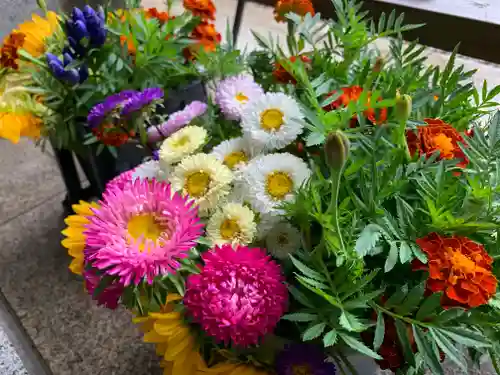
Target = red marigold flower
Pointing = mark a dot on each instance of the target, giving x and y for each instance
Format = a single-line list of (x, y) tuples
[(458, 267), (437, 136), (282, 76), (155, 13), (9, 51), (111, 135), (353, 93), (202, 8), (300, 7)]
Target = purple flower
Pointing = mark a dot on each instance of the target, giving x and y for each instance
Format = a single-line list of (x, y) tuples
[(156, 155), (58, 69), (100, 111), (142, 99), (87, 24), (303, 359), (176, 121)]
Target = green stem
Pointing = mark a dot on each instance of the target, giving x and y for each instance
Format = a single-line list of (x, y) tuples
[(333, 206), (402, 140), (396, 316), (347, 363)]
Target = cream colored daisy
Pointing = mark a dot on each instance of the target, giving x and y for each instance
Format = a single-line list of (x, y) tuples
[(233, 223), (146, 171), (273, 179), (203, 178), (233, 152), (282, 240), (272, 121), (182, 143)]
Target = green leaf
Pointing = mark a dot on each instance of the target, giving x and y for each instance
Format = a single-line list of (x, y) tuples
[(405, 253), (299, 296), (379, 332), (306, 270), (425, 348), (315, 138), (412, 300), (466, 336), (359, 346), (330, 338), (313, 332), (397, 297), (368, 239), (449, 348), (402, 331), (429, 306), (300, 317), (350, 322), (392, 258), (449, 314)]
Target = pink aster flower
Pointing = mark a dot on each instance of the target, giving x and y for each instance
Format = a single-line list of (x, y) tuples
[(238, 296), (109, 296), (141, 231), (176, 121), (234, 93)]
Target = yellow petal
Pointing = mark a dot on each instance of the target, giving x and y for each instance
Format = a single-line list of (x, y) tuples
[(153, 337), (76, 266), (173, 297), (166, 316), (166, 327)]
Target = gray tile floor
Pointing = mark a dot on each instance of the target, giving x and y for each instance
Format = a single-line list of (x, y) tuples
[(46, 313)]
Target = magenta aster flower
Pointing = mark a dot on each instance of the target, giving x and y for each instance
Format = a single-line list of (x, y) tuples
[(234, 93), (141, 231), (238, 296), (176, 121), (122, 180), (303, 359), (109, 296)]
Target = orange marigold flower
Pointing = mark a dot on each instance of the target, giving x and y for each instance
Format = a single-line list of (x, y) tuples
[(201, 8), (206, 31), (9, 51), (155, 13), (437, 136), (458, 267), (300, 7), (111, 135), (205, 44), (282, 76), (353, 93), (130, 44)]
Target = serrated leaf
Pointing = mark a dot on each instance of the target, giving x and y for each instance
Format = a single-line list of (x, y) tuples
[(359, 346), (425, 348), (368, 239), (466, 336), (314, 139), (313, 332), (449, 314), (397, 297), (300, 317), (299, 296), (379, 332), (330, 338), (404, 339), (392, 258), (449, 348), (350, 322), (412, 300), (306, 270), (429, 306), (405, 253)]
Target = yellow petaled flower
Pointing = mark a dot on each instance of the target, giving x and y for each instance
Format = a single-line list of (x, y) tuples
[(232, 369), (203, 178), (182, 143), (36, 31), (75, 238), (13, 126), (233, 223), (173, 338)]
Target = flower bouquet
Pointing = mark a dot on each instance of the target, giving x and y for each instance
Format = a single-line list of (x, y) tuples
[(333, 201)]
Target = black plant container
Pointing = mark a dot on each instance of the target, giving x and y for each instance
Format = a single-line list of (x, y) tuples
[(100, 168)]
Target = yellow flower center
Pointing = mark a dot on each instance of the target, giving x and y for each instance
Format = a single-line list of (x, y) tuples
[(197, 183), (145, 228), (279, 184), (271, 119), (234, 158), (460, 261), (229, 229), (180, 142), (444, 144), (302, 369), (242, 98)]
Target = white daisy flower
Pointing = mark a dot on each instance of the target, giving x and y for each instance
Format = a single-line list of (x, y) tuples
[(266, 222), (234, 93), (203, 178), (233, 152), (273, 121), (182, 143), (283, 240), (233, 223), (272, 180), (146, 171)]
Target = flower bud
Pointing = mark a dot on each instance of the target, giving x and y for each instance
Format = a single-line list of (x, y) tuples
[(42, 5), (336, 150), (77, 14), (83, 71), (67, 59), (100, 13), (88, 12), (98, 37), (80, 30), (72, 76), (403, 107)]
